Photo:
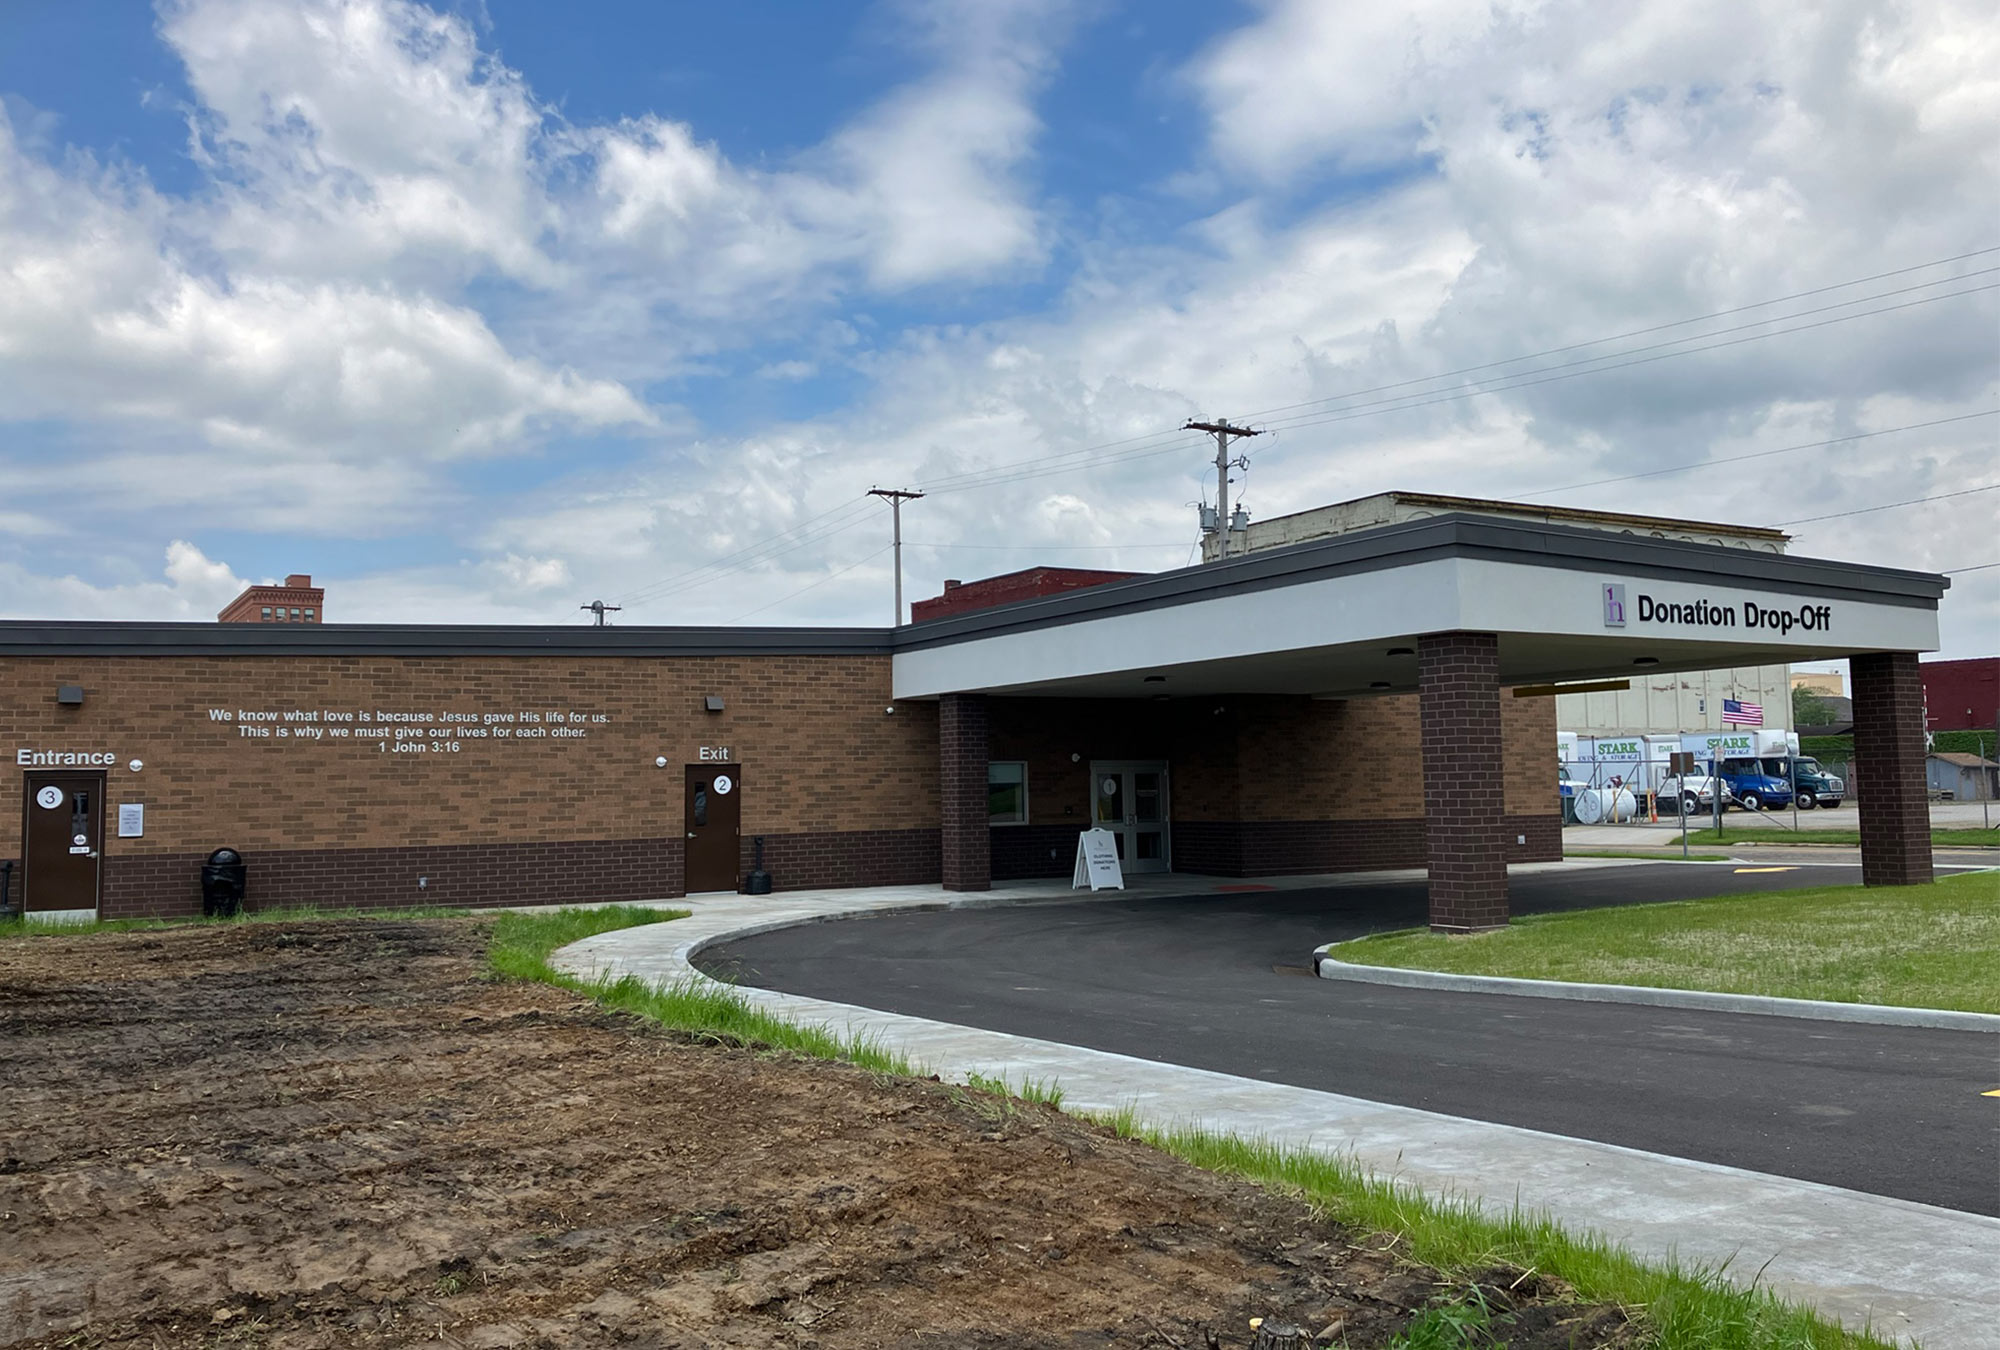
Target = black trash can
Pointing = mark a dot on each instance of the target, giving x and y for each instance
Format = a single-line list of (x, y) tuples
[(222, 882)]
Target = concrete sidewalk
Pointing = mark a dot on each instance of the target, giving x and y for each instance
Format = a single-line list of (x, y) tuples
[(1911, 1270)]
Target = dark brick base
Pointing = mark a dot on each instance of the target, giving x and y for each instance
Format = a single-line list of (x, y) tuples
[(1291, 847), (853, 858), (1022, 852), (473, 876), (1271, 847), (576, 872)]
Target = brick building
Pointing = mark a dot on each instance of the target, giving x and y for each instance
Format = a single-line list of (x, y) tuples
[(1031, 583), (1962, 695), (297, 601), (1341, 704)]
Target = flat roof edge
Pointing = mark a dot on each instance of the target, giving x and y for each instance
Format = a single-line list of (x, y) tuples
[(1458, 535), (29, 637)]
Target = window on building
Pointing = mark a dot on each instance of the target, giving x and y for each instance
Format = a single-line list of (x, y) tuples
[(295, 616), (267, 614), (309, 617), (1006, 792)]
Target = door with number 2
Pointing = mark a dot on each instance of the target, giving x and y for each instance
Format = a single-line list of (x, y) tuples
[(712, 818)]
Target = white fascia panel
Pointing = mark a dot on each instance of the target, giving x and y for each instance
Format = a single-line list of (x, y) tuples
[(1366, 606), (1518, 598)]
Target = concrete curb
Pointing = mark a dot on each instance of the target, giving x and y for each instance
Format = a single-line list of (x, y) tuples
[(1915, 1272), (1873, 1014)]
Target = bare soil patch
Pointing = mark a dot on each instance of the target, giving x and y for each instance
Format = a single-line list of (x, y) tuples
[(344, 1134)]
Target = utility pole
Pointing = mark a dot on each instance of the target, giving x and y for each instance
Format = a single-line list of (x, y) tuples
[(1223, 433), (600, 609), (896, 497)]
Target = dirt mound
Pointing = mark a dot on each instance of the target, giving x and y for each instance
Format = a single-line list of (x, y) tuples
[(342, 1134)]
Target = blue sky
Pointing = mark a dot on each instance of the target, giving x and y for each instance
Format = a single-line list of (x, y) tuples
[(481, 310)]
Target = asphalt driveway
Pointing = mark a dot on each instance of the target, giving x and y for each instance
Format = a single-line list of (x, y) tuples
[(1202, 979)]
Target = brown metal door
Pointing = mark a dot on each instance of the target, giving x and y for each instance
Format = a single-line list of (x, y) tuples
[(713, 811), (62, 830)]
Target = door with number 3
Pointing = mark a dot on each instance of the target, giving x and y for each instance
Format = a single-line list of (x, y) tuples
[(712, 818), (63, 834)]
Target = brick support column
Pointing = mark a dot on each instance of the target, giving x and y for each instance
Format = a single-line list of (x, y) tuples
[(968, 861), (1889, 762), (1458, 694)]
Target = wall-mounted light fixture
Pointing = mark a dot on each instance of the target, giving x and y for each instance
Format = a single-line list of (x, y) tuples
[(136, 765), (70, 695), (711, 702), (660, 762)]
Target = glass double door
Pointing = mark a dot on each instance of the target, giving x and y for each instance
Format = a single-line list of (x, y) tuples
[(1129, 798)]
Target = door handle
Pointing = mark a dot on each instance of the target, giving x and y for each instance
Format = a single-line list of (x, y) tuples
[(690, 834)]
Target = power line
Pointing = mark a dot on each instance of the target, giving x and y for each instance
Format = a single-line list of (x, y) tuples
[(1657, 328), (1427, 401), (1021, 469), (1049, 548), (1025, 470), (1890, 506), (815, 585), (1765, 454), (818, 528), (1960, 571), (850, 514)]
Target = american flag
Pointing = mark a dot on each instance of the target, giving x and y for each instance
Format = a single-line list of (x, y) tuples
[(1737, 713)]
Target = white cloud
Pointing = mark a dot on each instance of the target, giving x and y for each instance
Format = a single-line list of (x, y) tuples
[(195, 588), (303, 336)]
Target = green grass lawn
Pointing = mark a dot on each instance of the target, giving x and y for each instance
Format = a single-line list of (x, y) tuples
[(1773, 833), (1935, 946), (18, 927), (1675, 856)]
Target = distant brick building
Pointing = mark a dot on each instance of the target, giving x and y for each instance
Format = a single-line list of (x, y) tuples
[(1961, 695), (962, 597), (297, 601)]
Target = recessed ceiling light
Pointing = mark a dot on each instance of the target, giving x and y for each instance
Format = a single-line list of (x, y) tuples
[(1156, 679), (1645, 660), (1378, 684), (1402, 651)]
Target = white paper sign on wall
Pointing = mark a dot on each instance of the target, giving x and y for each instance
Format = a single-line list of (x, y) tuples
[(1097, 861), (131, 820)]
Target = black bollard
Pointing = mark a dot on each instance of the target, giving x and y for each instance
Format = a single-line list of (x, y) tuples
[(759, 881)]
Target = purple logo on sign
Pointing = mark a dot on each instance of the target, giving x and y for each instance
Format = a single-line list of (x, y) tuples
[(1614, 605)]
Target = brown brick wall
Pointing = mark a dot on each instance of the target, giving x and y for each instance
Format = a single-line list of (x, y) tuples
[(1465, 840), (823, 762), (1294, 782), (820, 754), (843, 793), (1889, 748)]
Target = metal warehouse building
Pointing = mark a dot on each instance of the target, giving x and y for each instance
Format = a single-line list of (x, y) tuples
[(1341, 703)]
